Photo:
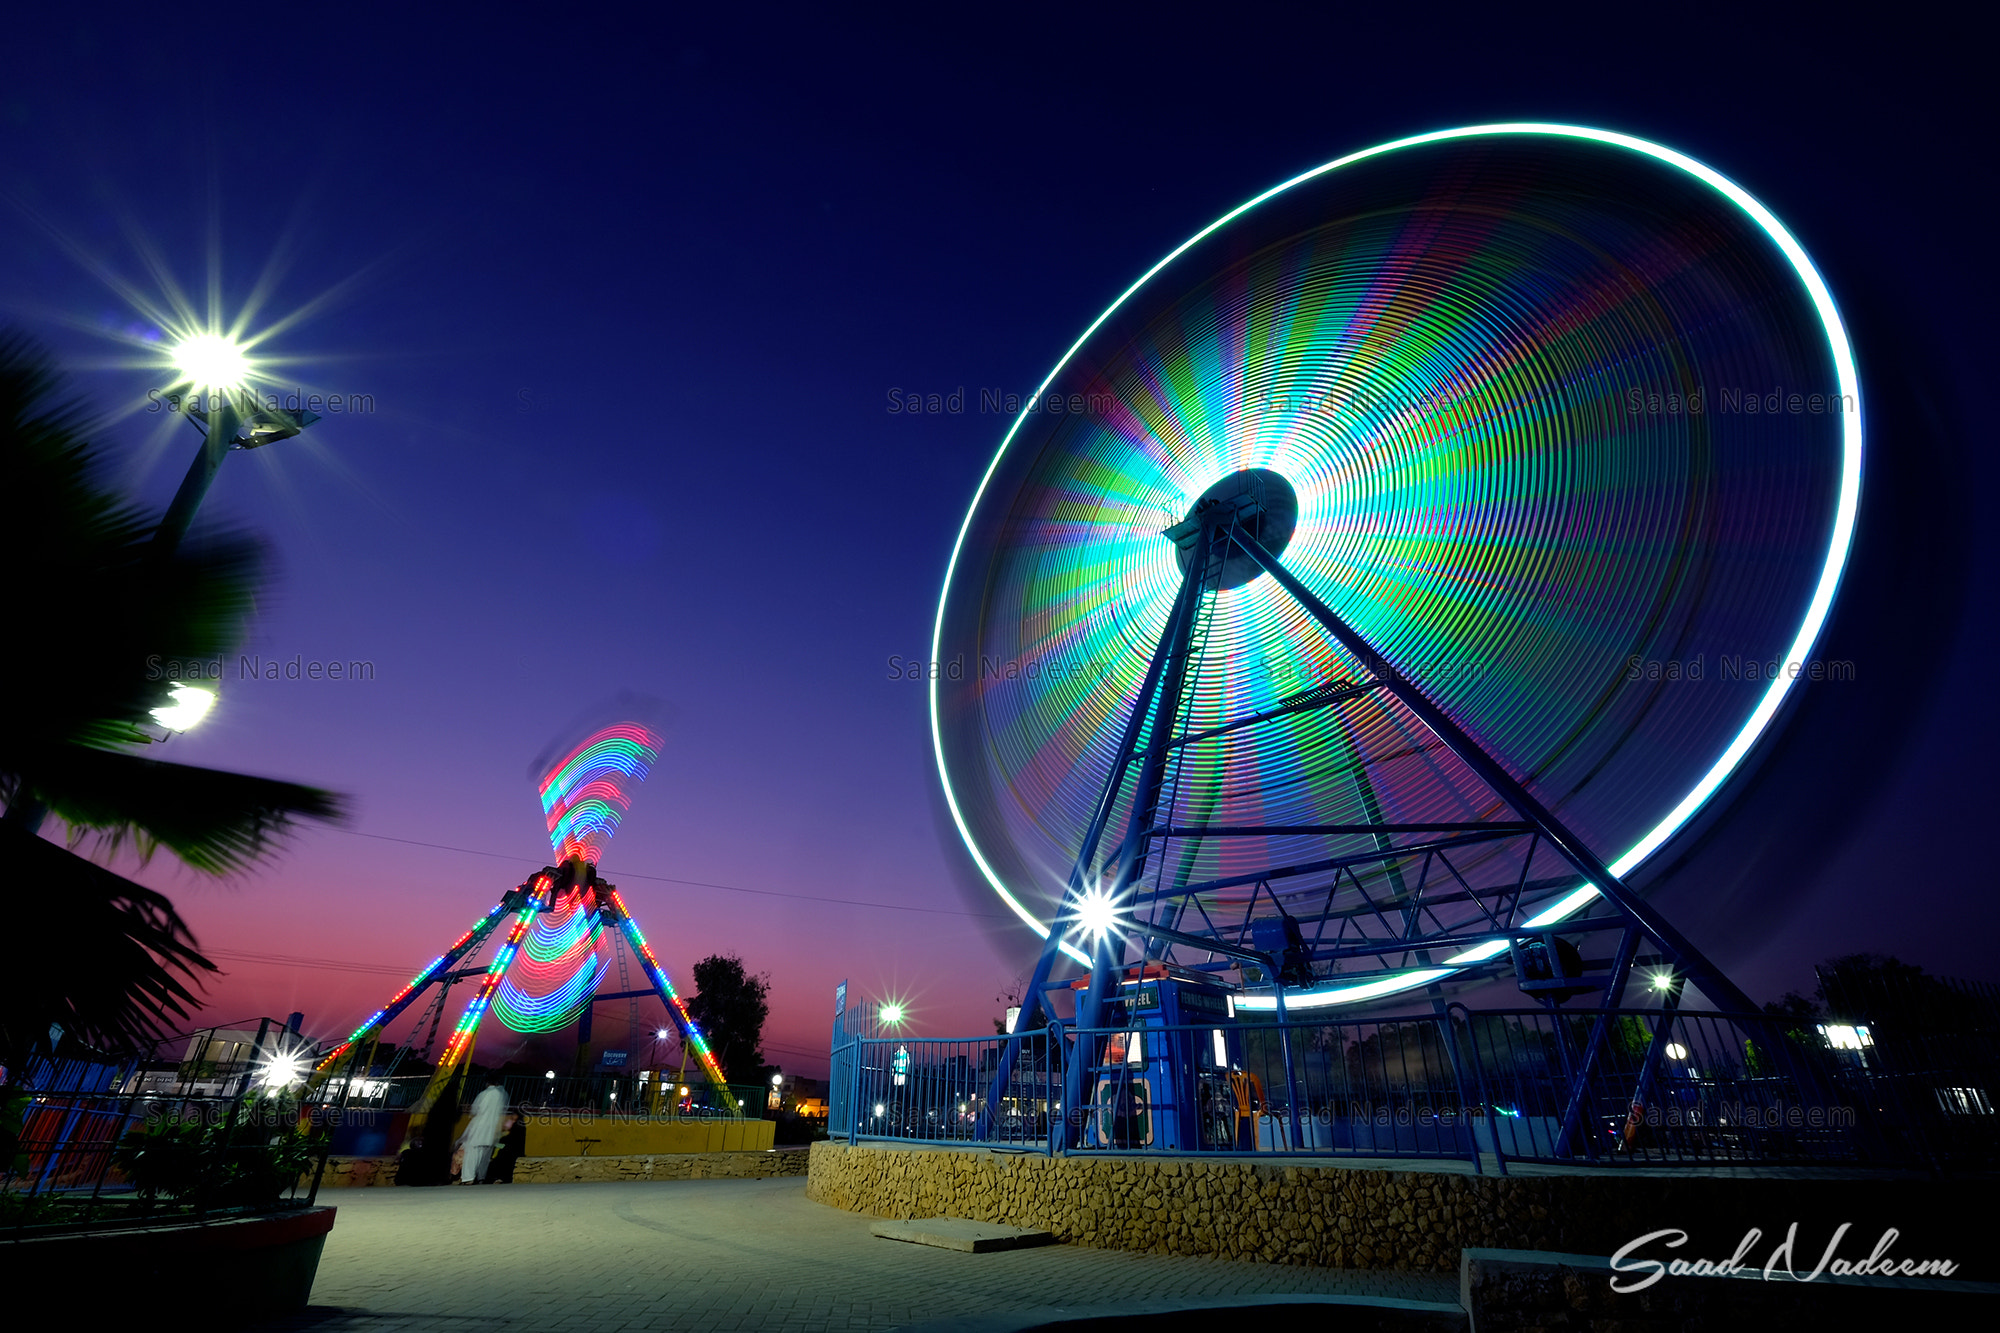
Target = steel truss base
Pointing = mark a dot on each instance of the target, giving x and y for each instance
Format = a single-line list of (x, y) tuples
[(540, 892), (1426, 916)]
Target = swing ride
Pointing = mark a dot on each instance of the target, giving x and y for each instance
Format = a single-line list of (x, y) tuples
[(547, 970)]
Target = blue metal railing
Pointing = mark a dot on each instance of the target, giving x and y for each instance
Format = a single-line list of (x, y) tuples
[(1609, 1087), (931, 1090)]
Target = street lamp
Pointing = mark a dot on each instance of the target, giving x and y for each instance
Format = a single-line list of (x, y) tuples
[(216, 367), (211, 360), (892, 1012)]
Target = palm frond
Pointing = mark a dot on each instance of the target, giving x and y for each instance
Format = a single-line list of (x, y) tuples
[(133, 617), (214, 821), (119, 973)]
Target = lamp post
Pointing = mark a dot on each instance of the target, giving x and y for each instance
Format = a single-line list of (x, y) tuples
[(216, 366)]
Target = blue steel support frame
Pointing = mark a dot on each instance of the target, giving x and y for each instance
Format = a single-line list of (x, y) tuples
[(1173, 642), (1718, 987), (1107, 954), (1159, 699)]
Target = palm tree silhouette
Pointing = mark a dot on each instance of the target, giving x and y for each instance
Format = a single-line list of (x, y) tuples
[(96, 607)]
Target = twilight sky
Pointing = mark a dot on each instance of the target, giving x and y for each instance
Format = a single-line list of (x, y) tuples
[(631, 298)]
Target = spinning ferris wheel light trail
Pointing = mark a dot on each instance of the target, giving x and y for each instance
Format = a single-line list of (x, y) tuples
[(546, 972), (1382, 483)]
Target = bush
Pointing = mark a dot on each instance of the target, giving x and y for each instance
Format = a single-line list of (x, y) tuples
[(193, 1162)]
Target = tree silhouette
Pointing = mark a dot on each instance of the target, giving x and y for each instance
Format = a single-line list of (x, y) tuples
[(730, 1007)]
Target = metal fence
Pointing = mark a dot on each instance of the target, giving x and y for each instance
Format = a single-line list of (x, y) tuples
[(637, 1095), (1626, 1087), (218, 1107), (938, 1089)]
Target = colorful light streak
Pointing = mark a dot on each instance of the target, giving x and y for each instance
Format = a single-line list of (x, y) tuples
[(1435, 342), (586, 794), (381, 1017), (468, 1022), (558, 969)]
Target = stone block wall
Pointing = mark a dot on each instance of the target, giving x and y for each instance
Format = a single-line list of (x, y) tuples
[(662, 1166), (1322, 1213), (354, 1172), (351, 1172)]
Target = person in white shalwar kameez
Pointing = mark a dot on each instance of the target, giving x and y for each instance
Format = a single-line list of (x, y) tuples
[(483, 1133)]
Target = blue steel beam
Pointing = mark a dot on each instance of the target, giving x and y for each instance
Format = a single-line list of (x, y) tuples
[(1032, 1004), (1574, 849)]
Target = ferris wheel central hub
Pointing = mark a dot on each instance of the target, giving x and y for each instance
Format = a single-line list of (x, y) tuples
[(1254, 501)]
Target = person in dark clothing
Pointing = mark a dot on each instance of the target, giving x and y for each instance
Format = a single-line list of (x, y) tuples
[(513, 1142)]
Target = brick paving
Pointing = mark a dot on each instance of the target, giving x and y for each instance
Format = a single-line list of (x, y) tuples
[(726, 1255)]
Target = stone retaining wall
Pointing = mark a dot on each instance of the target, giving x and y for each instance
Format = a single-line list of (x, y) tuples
[(353, 1172), (349, 1172), (1322, 1213), (663, 1166)]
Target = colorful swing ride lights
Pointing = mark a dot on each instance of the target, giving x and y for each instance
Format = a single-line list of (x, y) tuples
[(387, 1011), (558, 969), (548, 967), (468, 1022), (586, 794), (658, 976)]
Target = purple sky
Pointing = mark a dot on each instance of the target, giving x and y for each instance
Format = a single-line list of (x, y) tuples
[(630, 301)]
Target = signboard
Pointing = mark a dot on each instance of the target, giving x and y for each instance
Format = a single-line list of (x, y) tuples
[(840, 999), (616, 1059)]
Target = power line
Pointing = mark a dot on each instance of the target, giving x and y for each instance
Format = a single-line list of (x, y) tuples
[(698, 883), (324, 964)]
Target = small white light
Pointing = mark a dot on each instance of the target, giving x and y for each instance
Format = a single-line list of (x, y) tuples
[(1676, 1051), (281, 1071), (550, 1076), (892, 1012), (1096, 913)]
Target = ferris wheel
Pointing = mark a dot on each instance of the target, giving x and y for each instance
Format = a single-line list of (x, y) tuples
[(1395, 568)]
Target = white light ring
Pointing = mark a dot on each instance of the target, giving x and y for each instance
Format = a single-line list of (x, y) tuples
[(1821, 605)]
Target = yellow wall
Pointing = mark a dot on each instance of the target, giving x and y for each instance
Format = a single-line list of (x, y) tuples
[(564, 1136)]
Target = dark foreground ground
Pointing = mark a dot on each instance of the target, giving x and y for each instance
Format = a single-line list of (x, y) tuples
[(725, 1254)]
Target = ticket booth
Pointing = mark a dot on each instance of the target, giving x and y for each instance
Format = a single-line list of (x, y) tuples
[(1163, 1079)]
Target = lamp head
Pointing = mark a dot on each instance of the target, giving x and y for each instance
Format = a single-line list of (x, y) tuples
[(212, 362)]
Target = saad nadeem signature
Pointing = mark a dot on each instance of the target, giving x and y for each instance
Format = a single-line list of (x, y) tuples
[(1639, 1272)]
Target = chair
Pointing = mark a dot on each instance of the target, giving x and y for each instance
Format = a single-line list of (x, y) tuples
[(1248, 1090)]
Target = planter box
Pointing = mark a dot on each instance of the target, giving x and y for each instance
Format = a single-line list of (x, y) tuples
[(226, 1272)]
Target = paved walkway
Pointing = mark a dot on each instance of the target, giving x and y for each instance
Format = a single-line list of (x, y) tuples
[(723, 1254)]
